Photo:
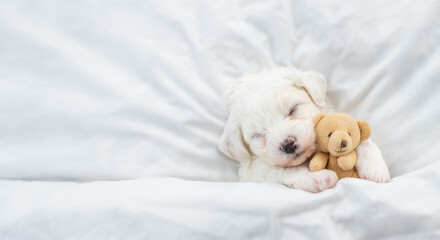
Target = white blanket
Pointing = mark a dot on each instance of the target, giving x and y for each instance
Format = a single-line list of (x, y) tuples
[(169, 208), (129, 94)]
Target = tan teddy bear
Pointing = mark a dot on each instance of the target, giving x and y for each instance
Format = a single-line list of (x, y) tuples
[(337, 135)]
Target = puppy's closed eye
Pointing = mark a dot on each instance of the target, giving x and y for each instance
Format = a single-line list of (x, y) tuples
[(293, 110), (258, 135)]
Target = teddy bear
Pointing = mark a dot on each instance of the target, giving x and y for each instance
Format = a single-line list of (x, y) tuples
[(337, 136)]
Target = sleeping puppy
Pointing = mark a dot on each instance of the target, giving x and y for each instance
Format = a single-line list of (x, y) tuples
[(270, 131)]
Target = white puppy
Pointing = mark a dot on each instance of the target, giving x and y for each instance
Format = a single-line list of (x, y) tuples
[(270, 132)]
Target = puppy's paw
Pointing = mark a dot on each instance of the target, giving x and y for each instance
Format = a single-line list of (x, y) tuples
[(323, 180), (375, 173), (370, 164)]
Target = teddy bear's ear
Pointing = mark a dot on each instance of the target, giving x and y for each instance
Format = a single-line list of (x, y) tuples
[(318, 117), (365, 130)]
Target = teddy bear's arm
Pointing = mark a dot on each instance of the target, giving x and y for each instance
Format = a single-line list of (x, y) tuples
[(348, 161), (318, 162)]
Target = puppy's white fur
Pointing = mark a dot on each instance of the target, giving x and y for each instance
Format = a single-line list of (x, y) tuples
[(266, 109)]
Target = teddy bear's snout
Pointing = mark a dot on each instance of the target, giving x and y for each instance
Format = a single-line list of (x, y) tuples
[(343, 144), (340, 143)]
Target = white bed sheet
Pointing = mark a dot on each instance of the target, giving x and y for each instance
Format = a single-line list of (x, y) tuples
[(110, 91), (102, 90)]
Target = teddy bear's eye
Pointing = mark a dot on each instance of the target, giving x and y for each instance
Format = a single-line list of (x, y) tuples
[(330, 134), (349, 134)]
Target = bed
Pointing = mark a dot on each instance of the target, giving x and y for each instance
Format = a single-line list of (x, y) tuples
[(110, 114)]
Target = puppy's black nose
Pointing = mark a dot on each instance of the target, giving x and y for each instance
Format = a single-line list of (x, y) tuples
[(288, 146), (343, 144)]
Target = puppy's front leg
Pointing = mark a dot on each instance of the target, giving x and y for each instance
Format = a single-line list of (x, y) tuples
[(370, 163), (295, 177), (301, 178)]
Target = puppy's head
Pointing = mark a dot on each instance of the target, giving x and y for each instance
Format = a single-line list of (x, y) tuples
[(271, 116)]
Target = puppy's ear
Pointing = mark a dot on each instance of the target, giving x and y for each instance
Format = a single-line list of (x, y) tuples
[(315, 85), (317, 118), (232, 143), (234, 92), (365, 130)]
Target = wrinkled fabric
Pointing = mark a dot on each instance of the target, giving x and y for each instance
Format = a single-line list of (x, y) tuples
[(121, 92), (170, 208), (102, 90)]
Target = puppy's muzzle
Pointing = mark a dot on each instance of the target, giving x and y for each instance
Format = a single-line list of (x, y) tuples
[(288, 145)]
